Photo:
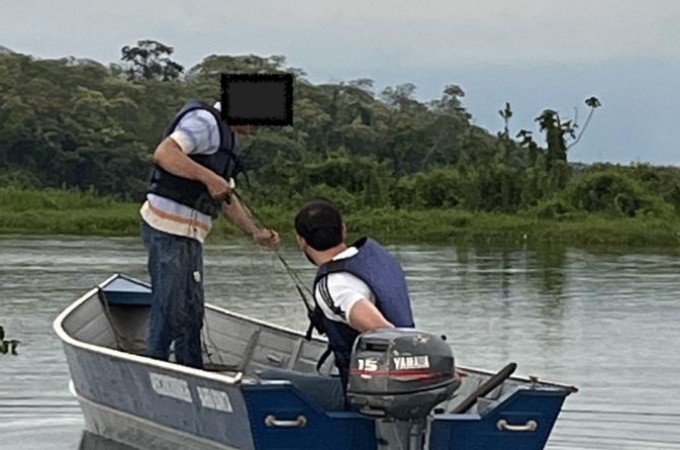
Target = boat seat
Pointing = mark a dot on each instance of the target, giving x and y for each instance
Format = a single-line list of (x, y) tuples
[(325, 391)]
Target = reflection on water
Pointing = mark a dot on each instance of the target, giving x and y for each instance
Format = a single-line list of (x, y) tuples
[(604, 321)]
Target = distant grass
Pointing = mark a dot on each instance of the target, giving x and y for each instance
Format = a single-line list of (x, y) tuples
[(457, 226), (21, 200), (86, 214), (65, 212)]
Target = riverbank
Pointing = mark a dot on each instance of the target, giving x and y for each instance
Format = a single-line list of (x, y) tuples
[(63, 212)]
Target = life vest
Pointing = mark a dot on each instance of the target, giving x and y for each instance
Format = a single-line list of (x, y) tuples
[(193, 193), (383, 274)]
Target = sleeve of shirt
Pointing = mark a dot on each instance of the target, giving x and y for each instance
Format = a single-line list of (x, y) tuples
[(197, 133), (337, 294)]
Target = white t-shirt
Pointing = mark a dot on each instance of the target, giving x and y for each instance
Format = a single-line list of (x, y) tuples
[(337, 293), (197, 133)]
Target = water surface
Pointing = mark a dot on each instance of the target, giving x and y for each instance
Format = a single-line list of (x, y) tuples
[(606, 322)]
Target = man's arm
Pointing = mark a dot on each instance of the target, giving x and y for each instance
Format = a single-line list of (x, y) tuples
[(170, 157), (345, 297), (364, 316), (237, 213)]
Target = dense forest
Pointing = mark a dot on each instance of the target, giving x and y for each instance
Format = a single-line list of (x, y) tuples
[(80, 124)]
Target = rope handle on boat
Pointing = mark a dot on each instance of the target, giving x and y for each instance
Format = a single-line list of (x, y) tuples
[(272, 421), (503, 424)]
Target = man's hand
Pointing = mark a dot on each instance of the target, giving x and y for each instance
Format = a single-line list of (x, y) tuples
[(267, 237), (218, 187), (169, 155), (238, 214)]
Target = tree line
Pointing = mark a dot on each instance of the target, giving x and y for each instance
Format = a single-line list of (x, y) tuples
[(81, 124)]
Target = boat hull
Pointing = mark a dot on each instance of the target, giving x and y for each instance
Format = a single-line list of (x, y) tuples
[(151, 404), (138, 433)]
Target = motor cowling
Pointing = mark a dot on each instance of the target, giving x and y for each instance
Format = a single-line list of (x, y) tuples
[(400, 373)]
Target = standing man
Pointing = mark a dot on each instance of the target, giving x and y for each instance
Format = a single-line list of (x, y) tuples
[(191, 185), (359, 287)]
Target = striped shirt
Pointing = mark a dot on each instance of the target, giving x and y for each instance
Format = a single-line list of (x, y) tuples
[(197, 133)]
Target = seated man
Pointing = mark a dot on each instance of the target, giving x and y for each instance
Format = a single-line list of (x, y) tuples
[(358, 287)]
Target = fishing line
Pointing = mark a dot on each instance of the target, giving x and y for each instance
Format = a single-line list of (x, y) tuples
[(299, 284), (297, 280)]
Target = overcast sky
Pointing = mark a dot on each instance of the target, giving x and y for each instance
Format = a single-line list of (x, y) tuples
[(536, 54)]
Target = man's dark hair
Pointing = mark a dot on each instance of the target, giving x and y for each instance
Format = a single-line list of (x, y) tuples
[(320, 224)]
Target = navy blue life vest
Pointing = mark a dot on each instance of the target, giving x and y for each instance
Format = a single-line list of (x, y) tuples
[(193, 193), (383, 274)]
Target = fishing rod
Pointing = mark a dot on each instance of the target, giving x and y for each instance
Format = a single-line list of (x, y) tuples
[(313, 313)]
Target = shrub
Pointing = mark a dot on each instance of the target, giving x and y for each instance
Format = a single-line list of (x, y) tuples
[(610, 192)]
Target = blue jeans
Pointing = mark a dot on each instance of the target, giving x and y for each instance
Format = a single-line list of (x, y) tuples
[(175, 265)]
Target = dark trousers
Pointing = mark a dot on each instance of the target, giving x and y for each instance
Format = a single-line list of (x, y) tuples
[(175, 265)]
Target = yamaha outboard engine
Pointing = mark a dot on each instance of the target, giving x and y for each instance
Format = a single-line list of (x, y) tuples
[(398, 376)]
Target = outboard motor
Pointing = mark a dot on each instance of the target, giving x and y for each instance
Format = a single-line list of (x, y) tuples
[(399, 375)]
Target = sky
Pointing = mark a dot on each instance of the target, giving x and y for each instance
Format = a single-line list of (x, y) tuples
[(535, 54)]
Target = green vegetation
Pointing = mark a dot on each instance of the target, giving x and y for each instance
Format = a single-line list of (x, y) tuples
[(52, 211), (76, 139), (556, 221)]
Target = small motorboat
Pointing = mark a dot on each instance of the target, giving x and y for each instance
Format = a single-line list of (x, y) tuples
[(261, 387)]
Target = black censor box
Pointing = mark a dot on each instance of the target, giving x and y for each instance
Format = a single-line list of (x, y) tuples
[(257, 99)]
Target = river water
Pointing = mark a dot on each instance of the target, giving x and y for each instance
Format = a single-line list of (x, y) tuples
[(605, 321)]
